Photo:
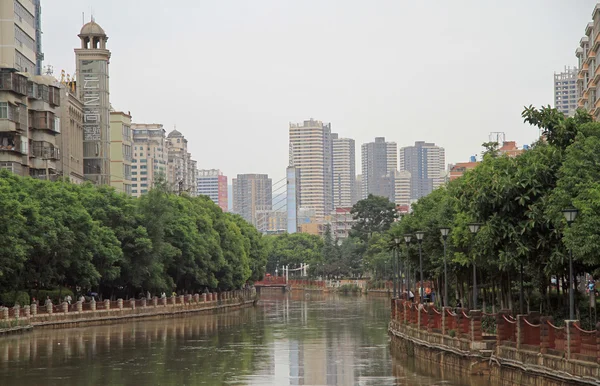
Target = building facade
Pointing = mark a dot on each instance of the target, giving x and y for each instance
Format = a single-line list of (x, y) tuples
[(565, 90), (426, 164), (121, 151), (149, 163), (378, 167), (252, 199), (29, 124), (93, 87), (70, 139), (292, 198), (181, 169), (311, 153), (21, 35), (402, 188), (213, 184), (344, 171), (341, 221)]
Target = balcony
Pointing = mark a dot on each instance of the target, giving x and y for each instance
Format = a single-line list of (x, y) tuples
[(12, 143), (11, 81), (44, 120), (44, 150)]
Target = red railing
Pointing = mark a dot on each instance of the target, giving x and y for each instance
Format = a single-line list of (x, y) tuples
[(437, 318), (530, 333), (510, 328), (588, 341), (272, 280), (450, 321), (464, 323), (556, 337)]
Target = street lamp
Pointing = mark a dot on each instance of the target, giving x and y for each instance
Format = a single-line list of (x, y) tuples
[(407, 238), (398, 275), (474, 228), (394, 278), (570, 215), (420, 235), (445, 232)]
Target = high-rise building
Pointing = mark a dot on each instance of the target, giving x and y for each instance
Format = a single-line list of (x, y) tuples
[(70, 139), (252, 199), (378, 167), (21, 35), (565, 90), (121, 151), (212, 183), (181, 169), (341, 222), (588, 77), (93, 86), (292, 198), (29, 123), (344, 171), (426, 163), (402, 188), (311, 154), (149, 164), (358, 188)]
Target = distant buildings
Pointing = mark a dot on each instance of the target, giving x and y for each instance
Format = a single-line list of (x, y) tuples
[(21, 35), (457, 170), (344, 171), (70, 138), (379, 162), (402, 188), (121, 151), (181, 169), (149, 157), (589, 75), (341, 223), (426, 164), (252, 199), (213, 183), (565, 90), (311, 154)]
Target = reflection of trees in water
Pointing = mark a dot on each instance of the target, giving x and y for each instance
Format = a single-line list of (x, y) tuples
[(199, 349)]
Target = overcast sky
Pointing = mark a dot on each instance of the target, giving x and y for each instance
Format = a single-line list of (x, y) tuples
[(232, 74)]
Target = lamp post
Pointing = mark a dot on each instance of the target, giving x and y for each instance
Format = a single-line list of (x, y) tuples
[(570, 215), (445, 232), (420, 235), (407, 238), (474, 228), (398, 275), (394, 270)]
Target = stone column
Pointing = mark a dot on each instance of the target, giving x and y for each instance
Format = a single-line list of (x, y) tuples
[(144, 303), (215, 296), (93, 304), (33, 309), (197, 298), (545, 334), (17, 309), (79, 306), (163, 301), (182, 299), (173, 299), (573, 344), (155, 301), (132, 303), (4, 313), (190, 298), (107, 304), (501, 328), (520, 330), (204, 298), (430, 319), (120, 304), (65, 307), (476, 327), (26, 312), (49, 308)]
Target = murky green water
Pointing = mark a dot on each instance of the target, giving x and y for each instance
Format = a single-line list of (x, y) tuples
[(294, 339)]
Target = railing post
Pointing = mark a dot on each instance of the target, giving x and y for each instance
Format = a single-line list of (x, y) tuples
[(65, 307), (4, 313), (17, 309), (173, 299), (144, 303), (182, 299), (26, 311), (33, 307), (430, 318), (573, 345), (155, 301), (93, 304), (519, 337), (106, 304), (49, 307), (79, 306), (476, 327), (120, 304), (132, 303), (598, 343), (545, 334), (204, 297)]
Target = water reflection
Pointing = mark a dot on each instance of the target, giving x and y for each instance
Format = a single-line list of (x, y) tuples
[(289, 339)]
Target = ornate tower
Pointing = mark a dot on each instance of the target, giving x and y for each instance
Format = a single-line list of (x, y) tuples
[(93, 87)]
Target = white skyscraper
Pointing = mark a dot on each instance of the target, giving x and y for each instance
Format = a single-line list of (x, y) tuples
[(426, 163), (344, 171)]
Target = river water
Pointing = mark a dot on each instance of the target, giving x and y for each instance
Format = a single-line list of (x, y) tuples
[(288, 339)]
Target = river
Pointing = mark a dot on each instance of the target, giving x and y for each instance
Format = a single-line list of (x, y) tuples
[(288, 339)]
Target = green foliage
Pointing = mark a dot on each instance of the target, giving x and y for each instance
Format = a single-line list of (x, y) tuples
[(373, 214), (57, 234), (56, 295), (9, 299), (349, 288)]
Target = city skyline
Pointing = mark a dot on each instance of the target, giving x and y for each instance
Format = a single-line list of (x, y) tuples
[(232, 110)]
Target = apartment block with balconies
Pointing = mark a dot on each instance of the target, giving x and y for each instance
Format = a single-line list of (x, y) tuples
[(121, 151), (589, 71)]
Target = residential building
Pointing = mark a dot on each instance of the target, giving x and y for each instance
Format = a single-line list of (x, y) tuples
[(426, 164), (93, 87), (277, 222), (402, 187), (149, 164), (252, 199), (510, 149), (311, 154), (460, 168), (181, 169), (378, 167), (121, 151), (212, 183), (29, 123), (341, 221), (358, 188), (21, 36), (589, 70), (344, 171), (70, 139), (565, 90)]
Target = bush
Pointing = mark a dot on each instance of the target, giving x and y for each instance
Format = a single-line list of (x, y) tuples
[(9, 299), (452, 333), (56, 295), (347, 288)]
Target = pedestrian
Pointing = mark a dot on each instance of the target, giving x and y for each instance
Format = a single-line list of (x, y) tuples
[(148, 295), (411, 296)]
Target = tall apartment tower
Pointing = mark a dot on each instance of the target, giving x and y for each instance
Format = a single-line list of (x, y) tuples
[(565, 90), (21, 35), (181, 169), (121, 151), (426, 163), (70, 139), (311, 153), (213, 183), (252, 199), (149, 157), (379, 162), (93, 86), (344, 171)]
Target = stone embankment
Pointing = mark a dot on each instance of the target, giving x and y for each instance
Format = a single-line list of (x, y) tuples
[(525, 350), (80, 313)]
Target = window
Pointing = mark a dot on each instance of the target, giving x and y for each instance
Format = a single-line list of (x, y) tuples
[(134, 166), (143, 173), (134, 179), (143, 179), (3, 110), (144, 185), (134, 185), (134, 191), (143, 166), (143, 161), (144, 191)]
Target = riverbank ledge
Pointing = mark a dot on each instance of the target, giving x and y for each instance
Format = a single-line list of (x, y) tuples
[(79, 313), (526, 350)]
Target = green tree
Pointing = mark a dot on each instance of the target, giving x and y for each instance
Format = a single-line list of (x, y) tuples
[(374, 214)]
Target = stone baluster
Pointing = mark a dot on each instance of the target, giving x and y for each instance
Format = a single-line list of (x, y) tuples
[(93, 304), (163, 301), (49, 307), (155, 302), (173, 299), (573, 344), (65, 307), (107, 304), (144, 303), (17, 309), (204, 298), (120, 304), (79, 306), (476, 326), (4, 313), (26, 312), (33, 308), (132, 303), (182, 299)]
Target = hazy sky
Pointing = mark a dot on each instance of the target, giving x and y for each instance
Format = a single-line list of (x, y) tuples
[(232, 74)]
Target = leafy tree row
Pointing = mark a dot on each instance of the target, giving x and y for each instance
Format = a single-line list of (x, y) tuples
[(59, 234)]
